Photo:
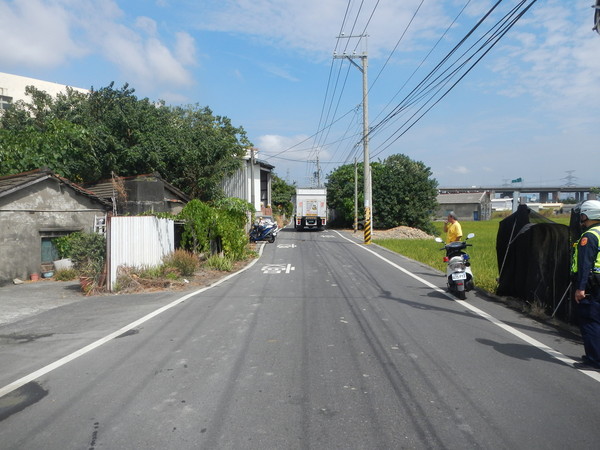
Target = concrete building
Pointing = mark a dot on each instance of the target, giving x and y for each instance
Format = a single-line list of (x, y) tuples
[(35, 208), (12, 88), (466, 206), (140, 194)]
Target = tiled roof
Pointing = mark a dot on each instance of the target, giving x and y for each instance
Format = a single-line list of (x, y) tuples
[(105, 188), (16, 182)]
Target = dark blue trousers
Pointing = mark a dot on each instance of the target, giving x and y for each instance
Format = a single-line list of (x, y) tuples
[(588, 312)]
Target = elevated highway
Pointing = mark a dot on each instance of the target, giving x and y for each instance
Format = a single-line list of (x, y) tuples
[(580, 193)]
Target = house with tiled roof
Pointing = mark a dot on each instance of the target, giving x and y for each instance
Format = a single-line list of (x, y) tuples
[(36, 207), (140, 194)]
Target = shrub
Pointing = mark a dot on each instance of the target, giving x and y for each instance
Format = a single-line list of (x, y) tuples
[(87, 251), (186, 263), (63, 245), (219, 263), (200, 221), (65, 275), (214, 229), (148, 271)]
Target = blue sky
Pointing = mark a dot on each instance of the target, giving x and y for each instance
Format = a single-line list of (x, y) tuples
[(529, 108)]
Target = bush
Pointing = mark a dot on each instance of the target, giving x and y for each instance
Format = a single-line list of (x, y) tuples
[(65, 275), (219, 263), (214, 229), (63, 245), (186, 263), (87, 252)]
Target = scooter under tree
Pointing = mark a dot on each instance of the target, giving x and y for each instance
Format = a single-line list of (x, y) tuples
[(458, 267)]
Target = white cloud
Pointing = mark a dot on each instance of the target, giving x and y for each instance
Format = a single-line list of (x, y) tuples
[(462, 170), (48, 33), (279, 71), (185, 48), (139, 52), (556, 62), (297, 147), (312, 26), (36, 34), (147, 25)]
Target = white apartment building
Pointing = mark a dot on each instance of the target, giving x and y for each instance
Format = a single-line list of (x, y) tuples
[(12, 88)]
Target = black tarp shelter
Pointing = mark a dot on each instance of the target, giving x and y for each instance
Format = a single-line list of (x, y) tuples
[(534, 259)]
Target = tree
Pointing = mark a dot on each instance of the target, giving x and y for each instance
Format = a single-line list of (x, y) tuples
[(403, 193), (340, 193), (208, 148), (281, 195), (88, 137)]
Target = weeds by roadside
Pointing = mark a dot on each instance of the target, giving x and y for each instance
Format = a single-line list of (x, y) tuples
[(65, 275)]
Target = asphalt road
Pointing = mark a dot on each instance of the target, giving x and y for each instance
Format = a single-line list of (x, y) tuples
[(323, 343)]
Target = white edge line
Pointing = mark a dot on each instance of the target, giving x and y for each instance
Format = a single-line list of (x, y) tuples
[(531, 341), (88, 348)]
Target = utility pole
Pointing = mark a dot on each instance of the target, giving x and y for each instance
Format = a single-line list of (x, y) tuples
[(253, 200), (355, 195), (315, 180), (318, 173), (367, 166)]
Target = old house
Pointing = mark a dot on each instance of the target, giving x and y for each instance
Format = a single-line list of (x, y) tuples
[(140, 194), (466, 206), (35, 208)]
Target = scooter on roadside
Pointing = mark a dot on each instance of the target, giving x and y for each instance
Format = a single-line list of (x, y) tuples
[(458, 267), (263, 231)]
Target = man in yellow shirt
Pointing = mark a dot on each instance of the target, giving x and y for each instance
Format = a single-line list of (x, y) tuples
[(452, 229)]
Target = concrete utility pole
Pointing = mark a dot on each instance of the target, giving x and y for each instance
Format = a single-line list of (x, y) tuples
[(367, 166), (252, 196), (355, 195)]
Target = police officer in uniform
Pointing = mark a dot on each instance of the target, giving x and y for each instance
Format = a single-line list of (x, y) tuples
[(586, 269)]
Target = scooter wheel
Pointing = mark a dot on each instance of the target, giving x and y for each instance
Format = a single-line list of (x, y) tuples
[(272, 239), (462, 295)]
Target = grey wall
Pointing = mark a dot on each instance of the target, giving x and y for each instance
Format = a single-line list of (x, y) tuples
[(464, 211), (48, 208)]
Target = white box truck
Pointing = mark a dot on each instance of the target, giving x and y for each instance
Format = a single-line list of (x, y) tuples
[(310, 208)]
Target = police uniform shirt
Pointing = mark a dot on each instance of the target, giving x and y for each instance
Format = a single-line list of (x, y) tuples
[(587, 253)]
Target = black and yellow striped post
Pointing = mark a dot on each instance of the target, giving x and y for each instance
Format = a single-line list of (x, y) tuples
[(367, 225)]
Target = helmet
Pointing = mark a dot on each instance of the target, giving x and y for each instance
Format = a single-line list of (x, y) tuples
[(591, 208)]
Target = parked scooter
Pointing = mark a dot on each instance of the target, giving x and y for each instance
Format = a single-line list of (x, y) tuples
[(458, 268), (264, 230)]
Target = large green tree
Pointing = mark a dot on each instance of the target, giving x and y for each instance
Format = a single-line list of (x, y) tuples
[(404, 193), (281, 195), (87, 137)]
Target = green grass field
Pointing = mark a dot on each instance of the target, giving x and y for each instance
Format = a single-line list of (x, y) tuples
[(483, 251)]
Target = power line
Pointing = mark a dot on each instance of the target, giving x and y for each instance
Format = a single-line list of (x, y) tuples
[(501, 28)]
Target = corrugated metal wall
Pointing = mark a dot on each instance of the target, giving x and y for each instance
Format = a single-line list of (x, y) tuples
[(138, 242)]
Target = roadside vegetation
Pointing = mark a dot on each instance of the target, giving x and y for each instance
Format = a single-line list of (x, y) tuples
[(404, 193), (214, 239), (110, 132)]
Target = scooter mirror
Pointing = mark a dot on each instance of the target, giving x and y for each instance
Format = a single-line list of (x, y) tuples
[(470, 235), (438, 239)]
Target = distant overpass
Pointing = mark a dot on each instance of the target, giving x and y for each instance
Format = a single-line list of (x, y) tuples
[(580, 193)]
